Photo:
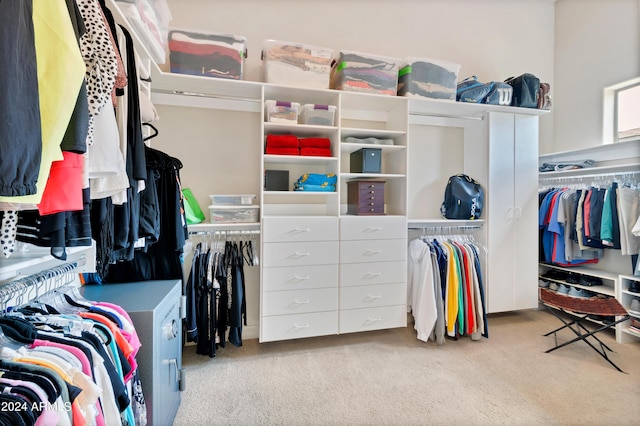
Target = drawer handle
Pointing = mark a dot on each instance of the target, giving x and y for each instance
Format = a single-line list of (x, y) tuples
[(375, 319), (298, 254), (373, 274), (372, 252), (299, 278), (301, 302), (377, 296), (372, 229), (301, 325), (299, 230)]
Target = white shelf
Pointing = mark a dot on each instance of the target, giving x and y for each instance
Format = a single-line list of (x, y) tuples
[(348, 147), (365, 133), (207, 227), (298, 159), (371, 176), (585, 270), (592, 171), (298, 129), (628, 330), (300, 193), (34, 259), (444, 223), (451, 109)]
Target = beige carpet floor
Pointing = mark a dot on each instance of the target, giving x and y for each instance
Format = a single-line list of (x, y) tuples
[(390, 378)]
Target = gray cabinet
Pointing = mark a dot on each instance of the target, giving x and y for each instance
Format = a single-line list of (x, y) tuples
[(154, 308)]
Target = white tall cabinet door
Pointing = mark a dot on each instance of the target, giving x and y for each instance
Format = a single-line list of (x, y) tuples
[(526, 212), (511, 279)]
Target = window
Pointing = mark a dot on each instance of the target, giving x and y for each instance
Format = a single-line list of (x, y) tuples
[(622, 112), (629, 113)]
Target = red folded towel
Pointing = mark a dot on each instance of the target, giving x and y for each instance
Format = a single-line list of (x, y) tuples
[(282, 141), (316, 152), (281, 151), (315, 142)]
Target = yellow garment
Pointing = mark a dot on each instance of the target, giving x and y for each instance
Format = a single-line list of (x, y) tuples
[(61, 71), (452, 290)]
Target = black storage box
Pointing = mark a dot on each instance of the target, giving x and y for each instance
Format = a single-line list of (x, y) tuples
[(276, 180), (366, 160)]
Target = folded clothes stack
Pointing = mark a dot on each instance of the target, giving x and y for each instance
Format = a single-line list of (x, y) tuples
[(316, 182), (359, 72), (319, 147), (213, 55), (282, 145)]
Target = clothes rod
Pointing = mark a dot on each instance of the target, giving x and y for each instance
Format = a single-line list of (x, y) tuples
[(446, 227), (226, 232), (207, 95), (590, 176), (23, 285)]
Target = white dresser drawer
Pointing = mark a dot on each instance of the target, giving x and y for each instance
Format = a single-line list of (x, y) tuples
[(283, 229), (286, 327), (372, 273), (299, 301), (373, 296), (373, 318), (372, 227), (299, 277), (303, 253), (373, 250)]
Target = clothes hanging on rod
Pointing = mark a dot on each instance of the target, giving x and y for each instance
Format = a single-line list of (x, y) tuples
[(445, 288), (579, 221), (215, 290), (64, 359), (86, 134)]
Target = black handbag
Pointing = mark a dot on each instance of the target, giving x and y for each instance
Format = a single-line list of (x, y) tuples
[(463, 198), (525, 90)]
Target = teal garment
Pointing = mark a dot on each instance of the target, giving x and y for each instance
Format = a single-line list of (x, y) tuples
[(606, 225), (316, 182), (112, 349)]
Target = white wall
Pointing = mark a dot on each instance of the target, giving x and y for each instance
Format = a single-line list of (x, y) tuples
[(492, 39), (597, 44)]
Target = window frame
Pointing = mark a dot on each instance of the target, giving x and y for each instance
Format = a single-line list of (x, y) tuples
[(611, 112)]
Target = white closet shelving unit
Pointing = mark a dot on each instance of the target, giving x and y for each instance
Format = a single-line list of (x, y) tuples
[(336, 287), (616, 162)]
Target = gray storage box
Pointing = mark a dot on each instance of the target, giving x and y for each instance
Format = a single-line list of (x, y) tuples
[(366, 160)]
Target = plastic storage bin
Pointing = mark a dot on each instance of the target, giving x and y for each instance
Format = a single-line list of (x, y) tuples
[(362, 72), (233, 214), (428, 78), (232, 199), (281, 111), (150, 20), (321, 115), (296, 64), (207, 54)]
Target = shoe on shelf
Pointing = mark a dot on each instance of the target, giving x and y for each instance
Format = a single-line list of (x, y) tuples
[(573, 278), (563, 289), (635, 325), (553, 286), (555, 274), (634, 287), (590, 281), (543, 283), (635, 305), (579, 292)]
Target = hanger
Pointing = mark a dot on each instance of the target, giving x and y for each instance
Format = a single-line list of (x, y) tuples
[(155, 130)]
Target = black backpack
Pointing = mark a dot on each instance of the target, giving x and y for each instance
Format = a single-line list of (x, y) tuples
[(463, 198)]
